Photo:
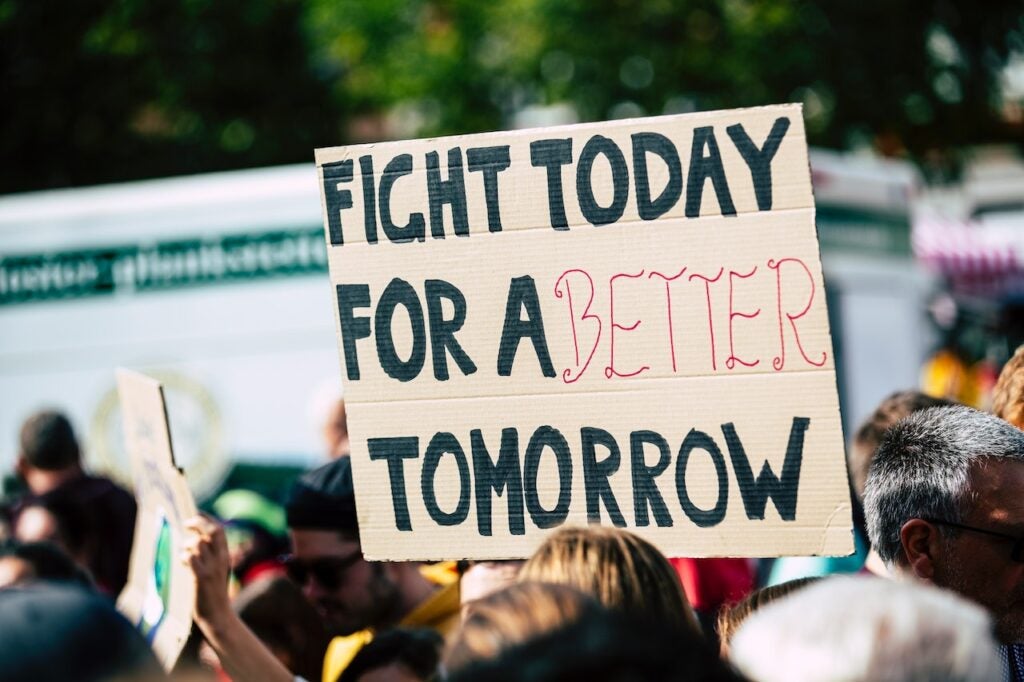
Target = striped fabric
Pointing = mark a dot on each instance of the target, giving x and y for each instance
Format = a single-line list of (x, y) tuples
[(977, 259)]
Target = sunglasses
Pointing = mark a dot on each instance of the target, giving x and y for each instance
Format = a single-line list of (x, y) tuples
[(328, 572), (1016, 552)]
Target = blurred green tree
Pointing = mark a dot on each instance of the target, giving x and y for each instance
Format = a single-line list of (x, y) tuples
[(107, 90), (116, 89), (916, 76)]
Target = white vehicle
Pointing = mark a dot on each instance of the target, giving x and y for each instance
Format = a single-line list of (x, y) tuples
[(215, 284)]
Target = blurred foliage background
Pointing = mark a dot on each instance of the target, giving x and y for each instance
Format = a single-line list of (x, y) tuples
[(108, 90)]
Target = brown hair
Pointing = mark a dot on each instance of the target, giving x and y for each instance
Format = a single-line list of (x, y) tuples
[(622, 571), (869, 435), (48, 442), (731, 616), (513, 616), (1008, 395), (278, 613)]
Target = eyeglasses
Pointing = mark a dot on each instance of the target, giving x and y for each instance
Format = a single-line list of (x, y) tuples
[(327, 571), (1017, 553)]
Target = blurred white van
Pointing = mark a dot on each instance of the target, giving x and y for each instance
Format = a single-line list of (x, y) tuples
[(216, 284)]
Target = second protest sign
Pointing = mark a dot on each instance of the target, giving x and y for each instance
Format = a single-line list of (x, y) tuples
[(621, 323)]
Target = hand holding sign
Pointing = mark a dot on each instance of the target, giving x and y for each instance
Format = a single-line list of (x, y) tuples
[(240, 652), (160, 592), (205, 551)]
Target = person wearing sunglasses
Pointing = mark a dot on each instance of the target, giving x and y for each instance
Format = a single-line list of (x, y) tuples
[(944, 502), (354, 597)]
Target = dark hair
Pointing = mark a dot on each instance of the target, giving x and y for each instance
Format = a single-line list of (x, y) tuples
[(48, 562), (278, 613), (922, 469), (418, 650), (73, 520), (59, 632), (608, 647), (48, 441), (324, 499), (872, 430)]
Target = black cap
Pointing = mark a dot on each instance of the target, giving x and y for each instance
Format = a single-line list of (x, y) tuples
[(324, 499), (58, 632)]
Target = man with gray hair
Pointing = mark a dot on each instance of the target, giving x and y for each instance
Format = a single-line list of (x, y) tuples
[(944, 502)]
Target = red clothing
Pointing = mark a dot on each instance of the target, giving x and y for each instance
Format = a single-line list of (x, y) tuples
[(269, 568), (710, 583)]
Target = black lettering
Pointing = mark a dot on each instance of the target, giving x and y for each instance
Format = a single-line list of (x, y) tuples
[(645, 492), (393, 451), (490, 161), (783, 491), (336, 199), (547, 437), (451, 191), (760, 160), (399, 292), (522, 292), (442, 331), (369, 199), (351, 296), (414, 230), (703, 167), (592, 211), (553, 154), (502, 476), (704, 518), (444, 444), (662, 147), (595, 475)]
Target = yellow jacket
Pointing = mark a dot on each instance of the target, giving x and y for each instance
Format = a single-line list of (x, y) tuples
[(440, 612)]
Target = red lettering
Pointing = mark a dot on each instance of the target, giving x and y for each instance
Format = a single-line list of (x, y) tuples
[(564, 278), (711, 324), (733, 313), (668, 301), (610, 370), (779, 362)]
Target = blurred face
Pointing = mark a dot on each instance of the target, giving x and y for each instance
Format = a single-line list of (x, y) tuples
[(14, 571), (349, 593), (979, 566), (36, 524)]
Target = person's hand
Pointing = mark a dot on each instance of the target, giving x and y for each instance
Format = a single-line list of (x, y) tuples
[(242, 654), (206, 553)]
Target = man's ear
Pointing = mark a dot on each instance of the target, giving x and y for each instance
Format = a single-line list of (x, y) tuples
[(21, 466), (920, 541)]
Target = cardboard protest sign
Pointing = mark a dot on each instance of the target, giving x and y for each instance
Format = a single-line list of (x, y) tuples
[(621, 323), (161, 590)]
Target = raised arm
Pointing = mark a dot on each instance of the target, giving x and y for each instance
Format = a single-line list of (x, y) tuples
[(243, 655)]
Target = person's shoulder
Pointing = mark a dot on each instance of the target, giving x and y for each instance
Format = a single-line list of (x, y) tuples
[(91, 489), (342, 650)]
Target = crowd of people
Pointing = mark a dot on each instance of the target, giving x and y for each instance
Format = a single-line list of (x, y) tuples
[(934, 592)]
